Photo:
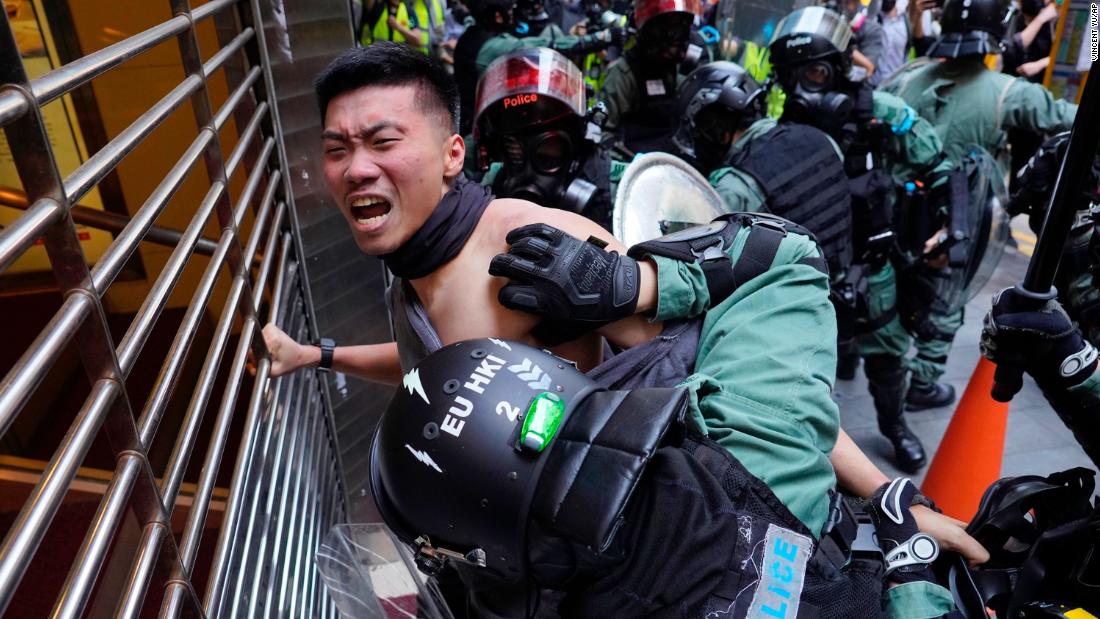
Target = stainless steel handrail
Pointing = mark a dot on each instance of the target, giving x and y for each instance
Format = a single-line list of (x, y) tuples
[(286, 484)]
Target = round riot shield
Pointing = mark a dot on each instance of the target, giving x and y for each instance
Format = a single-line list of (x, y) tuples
[(369, 576), (986, 233), (526, 88), (660, 194)]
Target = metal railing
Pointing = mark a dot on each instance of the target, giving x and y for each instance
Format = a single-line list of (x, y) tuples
[(286, 487)]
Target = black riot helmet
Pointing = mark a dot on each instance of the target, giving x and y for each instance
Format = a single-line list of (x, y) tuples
[(714, 102), (664, 28), (971, 28), (491, 447), (530, 116), (811, 54), (1041, 536)]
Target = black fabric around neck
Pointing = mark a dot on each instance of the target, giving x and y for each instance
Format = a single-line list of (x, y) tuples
[(444, 234)]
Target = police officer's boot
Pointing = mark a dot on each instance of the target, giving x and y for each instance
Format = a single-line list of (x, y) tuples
[(923, 395), (886, 382)]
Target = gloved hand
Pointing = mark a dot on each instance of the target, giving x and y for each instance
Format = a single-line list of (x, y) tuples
[(558, 276), (1044, 341), (908, 552)]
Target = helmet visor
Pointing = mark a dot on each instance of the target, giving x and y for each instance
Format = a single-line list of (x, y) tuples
[(815, 20), (645, 10), (524, 77)]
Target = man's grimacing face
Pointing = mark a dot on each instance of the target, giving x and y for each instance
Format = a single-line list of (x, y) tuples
[(387, 163)]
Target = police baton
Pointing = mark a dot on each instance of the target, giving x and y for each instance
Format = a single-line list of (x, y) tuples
[(1038, 285)]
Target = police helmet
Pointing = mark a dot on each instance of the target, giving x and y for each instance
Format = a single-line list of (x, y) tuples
[(716, 100), (1019, 521), (485, 12), (971, 28), (491, 447), (646, 10), (810, 33)]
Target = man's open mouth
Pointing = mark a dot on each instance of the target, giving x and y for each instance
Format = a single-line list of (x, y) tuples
[(371, 212)]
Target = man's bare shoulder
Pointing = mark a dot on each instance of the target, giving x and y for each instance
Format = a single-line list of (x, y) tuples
[(506, 214)]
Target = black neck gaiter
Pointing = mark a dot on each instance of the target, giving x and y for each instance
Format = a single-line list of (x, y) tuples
[(444, 234)]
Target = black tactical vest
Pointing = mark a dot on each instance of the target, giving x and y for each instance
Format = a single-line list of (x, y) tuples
[(804, 181), (703, 537), (649, 124)]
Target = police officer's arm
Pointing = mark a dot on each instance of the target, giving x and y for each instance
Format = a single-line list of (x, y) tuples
[(915, 149), (379, 363), (414, 36), (1030, 106)]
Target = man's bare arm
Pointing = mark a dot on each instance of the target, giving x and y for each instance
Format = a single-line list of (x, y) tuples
[(857, 474), (378, 363)]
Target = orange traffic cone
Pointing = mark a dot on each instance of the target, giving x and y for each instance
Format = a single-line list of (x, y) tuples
[(969, 457)]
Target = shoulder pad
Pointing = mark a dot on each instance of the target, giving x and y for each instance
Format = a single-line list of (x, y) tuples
[(709, 245)]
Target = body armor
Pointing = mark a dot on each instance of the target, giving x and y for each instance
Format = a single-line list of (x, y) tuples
[(798, 168)]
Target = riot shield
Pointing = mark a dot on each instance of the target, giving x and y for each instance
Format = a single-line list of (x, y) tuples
[(660, 194), (986, 229), (370, 576)]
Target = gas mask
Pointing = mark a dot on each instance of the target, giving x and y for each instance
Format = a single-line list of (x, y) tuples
[(817, 95), (541, 167)]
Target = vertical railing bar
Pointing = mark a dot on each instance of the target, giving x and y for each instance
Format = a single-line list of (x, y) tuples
[(261, 507), (141, 326), (215, 581), (300, 531), (279, 487), (38, 512), (319, 522), (181, 345), (133, 594), (196, 516), (89, 559), (286, 548), (123, 246)]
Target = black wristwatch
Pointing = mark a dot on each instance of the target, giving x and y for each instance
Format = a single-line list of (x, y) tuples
[(328, 346)]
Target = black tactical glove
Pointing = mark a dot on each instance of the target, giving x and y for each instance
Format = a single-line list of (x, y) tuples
[(908, 552), (1044, 341), (1036, 180), (558, 276)]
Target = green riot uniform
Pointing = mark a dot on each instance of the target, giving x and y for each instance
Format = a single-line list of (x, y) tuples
[(970, 105), (569, 45), (767, 397), (632, 97)]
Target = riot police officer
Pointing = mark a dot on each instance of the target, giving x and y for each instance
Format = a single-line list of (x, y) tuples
[(640, 88), (885, 143), (491, 36), (522, 473), (970, 105), (791, 170), (535, 139)]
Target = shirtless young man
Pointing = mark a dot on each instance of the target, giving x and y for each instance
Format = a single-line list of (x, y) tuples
[(392, 158)]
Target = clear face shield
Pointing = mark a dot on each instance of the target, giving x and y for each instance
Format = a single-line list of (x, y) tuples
[(530, 111)]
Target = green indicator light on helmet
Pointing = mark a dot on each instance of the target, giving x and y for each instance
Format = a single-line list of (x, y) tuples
[(540, 425)]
